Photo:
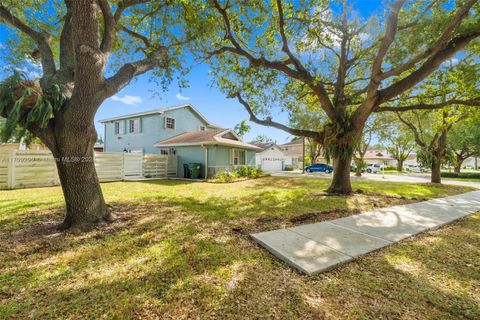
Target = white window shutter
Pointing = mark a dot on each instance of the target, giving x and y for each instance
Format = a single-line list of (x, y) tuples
[(231, 157), (136, 125), (164, 122)]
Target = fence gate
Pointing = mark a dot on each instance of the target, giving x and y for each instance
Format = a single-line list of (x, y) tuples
[(159, 166)]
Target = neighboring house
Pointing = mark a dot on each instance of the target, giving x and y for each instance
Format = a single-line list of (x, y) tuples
[(216, 150), (270, 157), (382, 156), (294, 151), (139, 132)]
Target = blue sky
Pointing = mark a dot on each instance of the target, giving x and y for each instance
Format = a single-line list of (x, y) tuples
[(138, 96)]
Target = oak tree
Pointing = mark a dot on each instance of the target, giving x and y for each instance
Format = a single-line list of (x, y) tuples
[(88, 51), (272, 55)]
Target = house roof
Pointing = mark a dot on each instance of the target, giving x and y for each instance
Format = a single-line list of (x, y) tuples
[(292, 143), (225, 137), (377, 155), (263, 145), (161, 111)]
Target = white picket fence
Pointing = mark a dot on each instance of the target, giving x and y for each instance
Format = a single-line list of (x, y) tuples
[(27, 169)]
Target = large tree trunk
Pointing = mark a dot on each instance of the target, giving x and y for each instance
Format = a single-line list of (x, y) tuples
[(74, 157), (436, 170), (400, 165), (341, 176), (84, 200)]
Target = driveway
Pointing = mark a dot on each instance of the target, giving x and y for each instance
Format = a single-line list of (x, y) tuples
[(401, 177)]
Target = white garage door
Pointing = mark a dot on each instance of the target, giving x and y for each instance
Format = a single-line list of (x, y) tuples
[(272, 165)]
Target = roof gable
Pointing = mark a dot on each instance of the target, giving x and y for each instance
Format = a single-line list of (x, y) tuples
[(162, 111), (221, 137)]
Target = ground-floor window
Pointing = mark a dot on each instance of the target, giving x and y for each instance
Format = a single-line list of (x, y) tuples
[(239, 157), (168, 152)]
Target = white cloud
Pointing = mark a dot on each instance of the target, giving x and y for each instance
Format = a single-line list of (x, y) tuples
[(2, 46), (130, 100), (180, 97), (454, 60)]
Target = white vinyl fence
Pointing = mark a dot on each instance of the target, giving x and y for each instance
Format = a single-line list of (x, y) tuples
[(27, 169)]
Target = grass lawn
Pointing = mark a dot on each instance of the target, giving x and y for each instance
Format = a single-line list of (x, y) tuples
[(180, 250), (462, 179)]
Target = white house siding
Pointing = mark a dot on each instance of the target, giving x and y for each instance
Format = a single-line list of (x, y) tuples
[(272, 159)]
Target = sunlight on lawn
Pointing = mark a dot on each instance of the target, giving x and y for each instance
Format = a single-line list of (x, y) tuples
[(181, 250)]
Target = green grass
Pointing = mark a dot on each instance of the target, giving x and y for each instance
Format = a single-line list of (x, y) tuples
[(181, 250), (462, 179)]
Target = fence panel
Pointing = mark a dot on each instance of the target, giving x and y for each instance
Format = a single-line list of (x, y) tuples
[(109, 166), (25, 169), (32, 169), (132, 165), (4, 166), (159, 166)]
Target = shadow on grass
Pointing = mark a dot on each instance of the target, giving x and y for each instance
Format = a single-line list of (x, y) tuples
[(434, 275), (153, 259), (182, 256)]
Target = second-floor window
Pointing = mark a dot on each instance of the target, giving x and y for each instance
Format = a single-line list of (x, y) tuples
[(134, 125), (169, 123), (118, 127), (201, 128)]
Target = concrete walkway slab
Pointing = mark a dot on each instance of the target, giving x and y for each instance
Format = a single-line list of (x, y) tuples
[(341, 239), (300, 252), (318, 247)]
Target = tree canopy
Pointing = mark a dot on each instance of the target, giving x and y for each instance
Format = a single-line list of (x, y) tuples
[(319, 58)]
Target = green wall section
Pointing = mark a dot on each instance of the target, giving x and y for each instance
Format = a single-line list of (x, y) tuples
[(217, 156)]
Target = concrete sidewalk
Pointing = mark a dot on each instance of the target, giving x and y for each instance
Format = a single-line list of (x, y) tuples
[(318, 247)]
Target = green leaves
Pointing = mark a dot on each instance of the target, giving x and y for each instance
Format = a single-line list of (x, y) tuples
[(16, 98)]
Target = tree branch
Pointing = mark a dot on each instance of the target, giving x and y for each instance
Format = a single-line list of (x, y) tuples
[(412, 127), (40, 38), (132, 69), (269, 122), (125, 4), (440, 44), (425, 106), (67, 54), (454, 46), (138, 36), (108, 26), (285, 48), (282, 66), (390, 32)]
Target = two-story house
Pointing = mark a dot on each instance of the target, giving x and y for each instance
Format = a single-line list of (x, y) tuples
[(181, 131), (138, 132)]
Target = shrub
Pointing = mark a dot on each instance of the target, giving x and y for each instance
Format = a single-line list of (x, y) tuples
[(255, 172), (288, 168), (464, 175), (390, 168), (242, 172), (227, 176)]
